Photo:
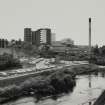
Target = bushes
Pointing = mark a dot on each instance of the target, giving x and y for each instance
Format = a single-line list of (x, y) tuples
[(10, 92), (62, 82), (8, 62), (99, 60), (53, 84)]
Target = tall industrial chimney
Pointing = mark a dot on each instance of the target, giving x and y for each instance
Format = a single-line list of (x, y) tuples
[(90, 37)]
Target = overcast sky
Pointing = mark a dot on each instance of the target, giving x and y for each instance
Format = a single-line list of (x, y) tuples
[(66, 18)]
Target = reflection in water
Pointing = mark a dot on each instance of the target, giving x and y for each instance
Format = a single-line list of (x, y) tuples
[(96, 73), (90, 92), (89, 81), (103, 74), (88, 88), (90, 103)]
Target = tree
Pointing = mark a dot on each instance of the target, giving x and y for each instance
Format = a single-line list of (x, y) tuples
[(96, 50), (68, 42), (29, 49), (103, 50), (46, 50)]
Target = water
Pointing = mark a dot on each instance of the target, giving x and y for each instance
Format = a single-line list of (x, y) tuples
[(87, 90)]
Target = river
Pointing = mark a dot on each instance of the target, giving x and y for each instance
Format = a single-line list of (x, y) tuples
[(88, 88)]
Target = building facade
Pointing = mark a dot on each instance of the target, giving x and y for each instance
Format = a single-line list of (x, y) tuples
[(53, 37), (35, 38), (3, 43), (45, 36), (28, 35), (38, 37)]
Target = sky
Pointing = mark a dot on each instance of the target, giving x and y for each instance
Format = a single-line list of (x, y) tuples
[(66, 18)]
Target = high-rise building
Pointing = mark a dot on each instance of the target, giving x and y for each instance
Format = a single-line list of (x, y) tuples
[(45, 35), (53, 37), (36, 38), (41, 36), (48, 36), (28, 35)]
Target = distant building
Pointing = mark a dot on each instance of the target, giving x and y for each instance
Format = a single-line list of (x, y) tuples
[(3, 43), (45, 36), (53, 37), (57, 44), (71, 50), (68, 42), (68, 45), (41, 36), (28, 35), (36, 38)]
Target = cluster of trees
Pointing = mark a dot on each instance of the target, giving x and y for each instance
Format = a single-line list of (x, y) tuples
[(26, 48), (8, 62), (46, 51), (29, 49), (41, 86), (68, 42), (98, 55), (99, 51)]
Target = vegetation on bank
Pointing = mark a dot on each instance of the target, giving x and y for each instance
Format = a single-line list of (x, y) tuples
[(40, 86), (85, 69), (47, 84), (8, 62), (98, 55)]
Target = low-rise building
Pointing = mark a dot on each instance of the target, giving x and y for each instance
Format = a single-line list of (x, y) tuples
[(3, 43), (60, 47)]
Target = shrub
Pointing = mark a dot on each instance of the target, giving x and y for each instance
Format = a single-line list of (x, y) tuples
[(10, 92), (9, 62), (55, 83)]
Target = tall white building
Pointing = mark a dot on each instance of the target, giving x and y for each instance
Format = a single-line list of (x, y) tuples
[(53, 37), (43, 36)]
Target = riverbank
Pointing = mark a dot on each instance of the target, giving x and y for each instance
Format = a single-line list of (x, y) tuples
[(47, 84), (40, 86)]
